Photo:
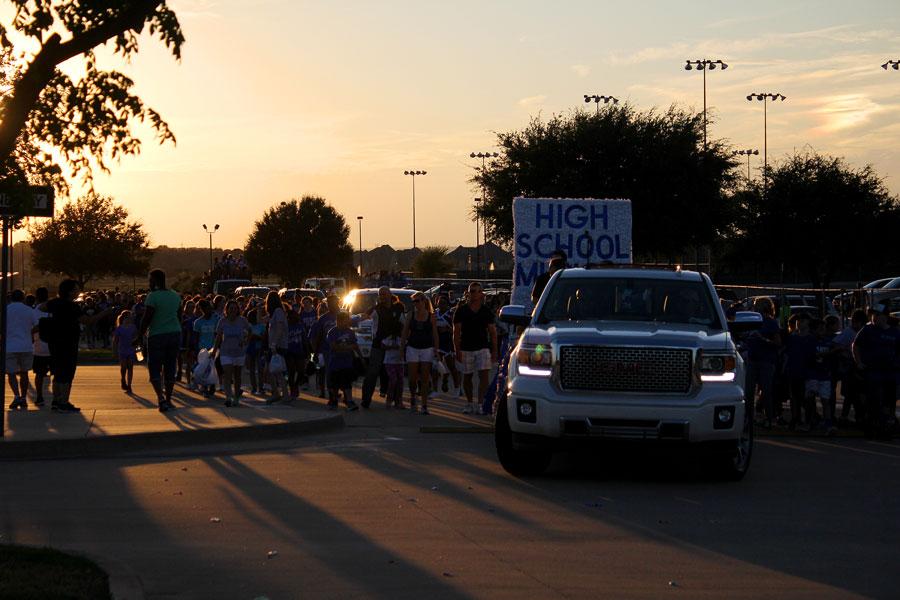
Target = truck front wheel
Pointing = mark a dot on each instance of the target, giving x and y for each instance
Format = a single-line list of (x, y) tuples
[(520, 463)]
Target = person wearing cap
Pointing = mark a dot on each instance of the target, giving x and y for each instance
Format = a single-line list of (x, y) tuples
[(557, 262), (876, 351)]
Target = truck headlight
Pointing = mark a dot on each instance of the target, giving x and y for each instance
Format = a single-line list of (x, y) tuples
[(717, 367), (534, 359)]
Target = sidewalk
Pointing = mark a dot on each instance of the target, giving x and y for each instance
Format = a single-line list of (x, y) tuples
[(113, 422)]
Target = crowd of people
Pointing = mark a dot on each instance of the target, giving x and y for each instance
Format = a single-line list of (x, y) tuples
[(806, 362), (213, 345), (229, 266)]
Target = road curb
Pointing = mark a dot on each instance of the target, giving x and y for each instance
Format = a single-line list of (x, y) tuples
[(106, 446)]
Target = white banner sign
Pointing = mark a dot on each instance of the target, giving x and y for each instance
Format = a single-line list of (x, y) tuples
[(587, 230)]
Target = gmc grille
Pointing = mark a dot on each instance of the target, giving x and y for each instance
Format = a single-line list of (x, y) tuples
[(641, 370)]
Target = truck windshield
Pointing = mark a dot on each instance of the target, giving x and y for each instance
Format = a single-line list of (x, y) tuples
[(636, 299)]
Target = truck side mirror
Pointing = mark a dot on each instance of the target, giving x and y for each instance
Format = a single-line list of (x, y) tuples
[(515, 314)]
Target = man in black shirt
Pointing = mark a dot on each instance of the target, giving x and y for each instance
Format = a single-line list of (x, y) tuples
[(475, 341), (67, 318), (557, 261)]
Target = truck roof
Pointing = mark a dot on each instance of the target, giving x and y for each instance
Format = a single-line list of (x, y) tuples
[(632, 273)]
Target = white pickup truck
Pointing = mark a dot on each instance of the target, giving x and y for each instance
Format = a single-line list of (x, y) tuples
[(625, 354)]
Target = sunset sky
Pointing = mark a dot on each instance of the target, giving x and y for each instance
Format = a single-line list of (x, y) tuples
[(279, 98)]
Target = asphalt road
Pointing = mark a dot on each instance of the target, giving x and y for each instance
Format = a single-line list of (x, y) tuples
[(384, 511)]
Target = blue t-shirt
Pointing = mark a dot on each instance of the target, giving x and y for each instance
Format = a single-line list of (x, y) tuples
[(824, 363), (254, 345), (338, 360), (206, 328), (295, 338), (878, 348), (759, 345), (321, 328), (308, 318), (801, 354)]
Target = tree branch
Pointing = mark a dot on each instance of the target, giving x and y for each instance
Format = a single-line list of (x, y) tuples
[(53, 53)]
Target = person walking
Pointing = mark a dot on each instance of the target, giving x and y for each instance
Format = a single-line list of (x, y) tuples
[(162, 325), (21, 323), (278, 341), (876, 351), (124, 338), (62, 335), (387, 312), (342, 347), (232, 333), (41, 362), (443, 313), (393, 364), (320, 345), (420, 338), (475, 341), (205, 328)]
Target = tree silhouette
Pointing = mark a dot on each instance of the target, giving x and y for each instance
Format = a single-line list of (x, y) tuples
[(90, 238), (298, 239), (655, 159), (432, 261), (87, 120), (817, 215)]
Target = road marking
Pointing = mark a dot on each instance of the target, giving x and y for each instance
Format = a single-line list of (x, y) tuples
[(789, 446), (861, 450)]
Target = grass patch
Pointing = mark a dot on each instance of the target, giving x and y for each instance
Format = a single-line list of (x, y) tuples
[(93, 355), (46, 574)]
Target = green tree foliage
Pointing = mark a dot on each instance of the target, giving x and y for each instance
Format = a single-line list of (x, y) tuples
[(90, 238), (86, 120), (432, 261), (295, 240), (817, 215), (655, 159)]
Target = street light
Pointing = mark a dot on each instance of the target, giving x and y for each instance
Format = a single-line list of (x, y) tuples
[(748, 152), (588, 98), (413, 175), (704, 65), (359, 220), (764, 97), (210, 232), (477, 247), (483, 156), (894, 64)]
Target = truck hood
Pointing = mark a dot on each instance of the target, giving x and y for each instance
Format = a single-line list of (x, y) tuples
[(628, 333)]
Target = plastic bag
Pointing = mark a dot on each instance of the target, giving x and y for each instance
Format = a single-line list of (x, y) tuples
[(205, 371), (276, 363), (439, 366)]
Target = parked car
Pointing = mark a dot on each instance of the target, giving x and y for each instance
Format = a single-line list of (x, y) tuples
[(247, 291), (293, 295), (226, 287), (359, 303)]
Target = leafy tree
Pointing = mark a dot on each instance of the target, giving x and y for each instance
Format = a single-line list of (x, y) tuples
[(655, 159), (87, 120), (294, 240), (432, 261), (817, 215), (90, 238)]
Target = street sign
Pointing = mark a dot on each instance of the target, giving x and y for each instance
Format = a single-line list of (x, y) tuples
[(27, 201)]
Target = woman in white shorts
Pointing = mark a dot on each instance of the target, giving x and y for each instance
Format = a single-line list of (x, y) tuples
[(232, 334), (421, 341)]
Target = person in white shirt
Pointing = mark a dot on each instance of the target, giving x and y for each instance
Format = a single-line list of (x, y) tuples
[(41, 364), (21, 323)]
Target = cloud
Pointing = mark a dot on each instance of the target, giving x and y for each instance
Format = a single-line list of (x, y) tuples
[(841, 34), (533, 101), (844, 111), (581, 71)]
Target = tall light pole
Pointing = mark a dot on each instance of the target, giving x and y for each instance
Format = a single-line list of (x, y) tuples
[(413, 175), (359, 220), (764, 97), (210, 232), (704, 65), (483, 156), (894, 64), (747, 152), (588, 98), (477, 247)]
